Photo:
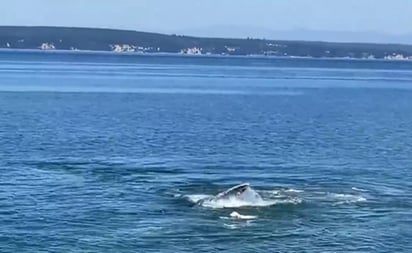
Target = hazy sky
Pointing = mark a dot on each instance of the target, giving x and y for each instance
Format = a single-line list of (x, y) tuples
[(387, 16)]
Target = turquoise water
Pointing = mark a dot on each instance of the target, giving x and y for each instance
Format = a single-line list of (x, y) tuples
[(109, 153)]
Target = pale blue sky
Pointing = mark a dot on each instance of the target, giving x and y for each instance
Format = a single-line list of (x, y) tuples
[(383, 16)]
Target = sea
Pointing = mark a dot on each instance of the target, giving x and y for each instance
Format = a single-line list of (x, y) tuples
[(104, 152)]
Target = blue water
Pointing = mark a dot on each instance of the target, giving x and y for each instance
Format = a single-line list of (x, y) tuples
[(106, 153)]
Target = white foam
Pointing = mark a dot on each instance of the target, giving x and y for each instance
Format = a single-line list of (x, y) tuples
[(248, 198), (294, 191), (231, 226), (238, 216), (195, 198), (358, 189), (238, 225), (271, 192), (346, 198), (280, 192), (235, 203)]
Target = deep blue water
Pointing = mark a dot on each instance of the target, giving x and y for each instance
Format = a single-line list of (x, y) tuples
[(103, 153)]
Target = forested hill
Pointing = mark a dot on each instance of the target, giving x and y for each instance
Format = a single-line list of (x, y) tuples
[(64, 38)]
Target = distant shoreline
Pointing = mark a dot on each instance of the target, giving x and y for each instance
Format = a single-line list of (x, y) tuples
[(134, 42), (161, 54)]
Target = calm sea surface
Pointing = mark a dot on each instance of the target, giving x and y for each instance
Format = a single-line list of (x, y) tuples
[(108, 153)]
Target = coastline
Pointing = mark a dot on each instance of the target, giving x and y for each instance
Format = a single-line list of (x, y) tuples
[(107, 41), (166, 54)]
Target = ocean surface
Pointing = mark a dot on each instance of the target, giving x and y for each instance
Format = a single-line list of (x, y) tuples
[(118, 153)]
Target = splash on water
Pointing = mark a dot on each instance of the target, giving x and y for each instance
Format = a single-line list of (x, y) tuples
[(345, 198), (248, 197), (238, 216)]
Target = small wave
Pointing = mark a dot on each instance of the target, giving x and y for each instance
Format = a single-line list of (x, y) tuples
[(359, 189), (346, 198), (231, 226), (294, 191), (270, 192), (280, 192), (238, 225)]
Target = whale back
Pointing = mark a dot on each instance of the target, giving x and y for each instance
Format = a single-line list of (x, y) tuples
[(239, 195), (234, 191)]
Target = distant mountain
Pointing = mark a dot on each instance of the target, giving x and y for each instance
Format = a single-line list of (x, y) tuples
[(66, 38), (299, 34)]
